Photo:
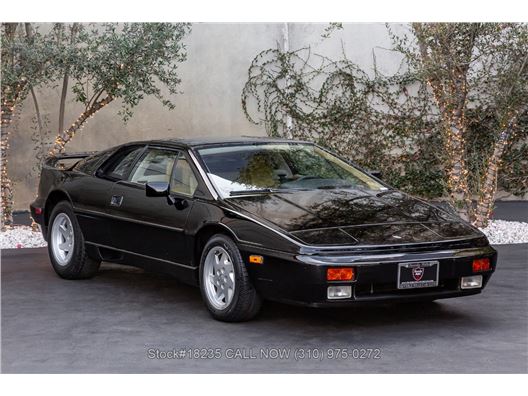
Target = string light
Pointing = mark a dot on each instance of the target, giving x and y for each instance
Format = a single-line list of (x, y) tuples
[(62, 139), (9, 101), (7, 110), (485, 203), (451, 101)]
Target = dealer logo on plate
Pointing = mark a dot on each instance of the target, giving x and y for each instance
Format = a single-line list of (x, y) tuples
[(417, 273)]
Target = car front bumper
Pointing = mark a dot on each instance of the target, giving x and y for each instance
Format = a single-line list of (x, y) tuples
[(302, 280)]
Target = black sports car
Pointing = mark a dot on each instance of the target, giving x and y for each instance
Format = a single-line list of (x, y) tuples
[(249, 219)]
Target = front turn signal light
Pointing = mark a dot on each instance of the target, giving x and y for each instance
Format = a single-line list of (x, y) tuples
[(340, 274), (481, 264), (253, 259)]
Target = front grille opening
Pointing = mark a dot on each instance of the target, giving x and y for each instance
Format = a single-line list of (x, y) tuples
[(381, 289)]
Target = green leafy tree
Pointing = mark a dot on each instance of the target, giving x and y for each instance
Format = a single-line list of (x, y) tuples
[(102, 63), (27, 56), (121, 61), (467, 66)]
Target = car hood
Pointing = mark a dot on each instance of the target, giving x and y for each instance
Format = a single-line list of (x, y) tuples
[(353, 217)]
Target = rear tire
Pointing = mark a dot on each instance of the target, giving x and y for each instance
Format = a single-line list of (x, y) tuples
[(66, 245), (224, 282)]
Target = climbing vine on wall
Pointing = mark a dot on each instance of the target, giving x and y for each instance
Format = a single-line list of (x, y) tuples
[(370, 120), (391, 123)]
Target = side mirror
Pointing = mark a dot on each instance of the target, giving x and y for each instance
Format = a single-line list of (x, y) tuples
[(376, 173), (157, 189)]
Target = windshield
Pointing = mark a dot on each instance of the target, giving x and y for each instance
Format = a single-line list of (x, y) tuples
[(245, 169)]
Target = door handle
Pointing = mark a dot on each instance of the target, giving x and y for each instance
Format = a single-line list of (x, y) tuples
[(116, 200)]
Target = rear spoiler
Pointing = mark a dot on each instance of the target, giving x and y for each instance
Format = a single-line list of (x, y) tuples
[(55, 161)]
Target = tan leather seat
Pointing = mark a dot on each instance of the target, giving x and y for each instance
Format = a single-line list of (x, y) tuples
[(183, 180)]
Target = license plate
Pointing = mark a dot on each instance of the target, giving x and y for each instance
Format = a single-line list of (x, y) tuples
[(418, 274)]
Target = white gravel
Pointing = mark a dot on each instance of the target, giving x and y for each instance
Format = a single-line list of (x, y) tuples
[(20, 237), (498, 232)]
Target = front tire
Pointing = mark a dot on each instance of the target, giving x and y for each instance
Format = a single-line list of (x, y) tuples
[(66, 245), (224, 282)]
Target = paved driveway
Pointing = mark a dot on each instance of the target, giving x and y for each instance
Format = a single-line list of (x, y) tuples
[(125, 320)]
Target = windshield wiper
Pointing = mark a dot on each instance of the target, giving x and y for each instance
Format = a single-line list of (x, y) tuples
[(257, 191)]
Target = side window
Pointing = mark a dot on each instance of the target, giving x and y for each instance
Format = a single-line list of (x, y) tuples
[(183, 180), (119, 165), (155, 166)]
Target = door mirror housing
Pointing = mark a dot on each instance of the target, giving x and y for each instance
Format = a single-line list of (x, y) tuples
[(157, 189)]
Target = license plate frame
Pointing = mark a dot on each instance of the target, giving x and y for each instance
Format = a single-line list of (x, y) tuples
[(431, 268)]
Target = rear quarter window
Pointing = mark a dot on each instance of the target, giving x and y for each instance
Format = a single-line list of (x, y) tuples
[(118, 165), (90, 164)]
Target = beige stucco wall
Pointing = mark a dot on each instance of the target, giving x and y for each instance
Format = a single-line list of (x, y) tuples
[(212, 80)]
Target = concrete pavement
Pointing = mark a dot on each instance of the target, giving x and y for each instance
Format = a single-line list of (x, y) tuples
[(126, 320)]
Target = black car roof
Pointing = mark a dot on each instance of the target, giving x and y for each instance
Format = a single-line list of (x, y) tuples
[(216, 141)]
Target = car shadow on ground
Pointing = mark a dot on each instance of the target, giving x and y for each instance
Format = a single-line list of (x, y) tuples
[(167, 292), (107, 323)]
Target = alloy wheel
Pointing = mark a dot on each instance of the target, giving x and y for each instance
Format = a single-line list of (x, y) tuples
[(62, 239), (219, 278)]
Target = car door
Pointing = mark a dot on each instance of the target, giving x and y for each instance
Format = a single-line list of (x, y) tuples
[(91, 192), (153, 226)]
